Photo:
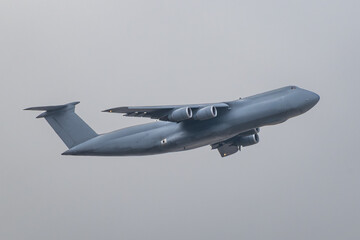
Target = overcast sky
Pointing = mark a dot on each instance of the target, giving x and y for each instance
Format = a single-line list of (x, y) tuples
[(301, 181)]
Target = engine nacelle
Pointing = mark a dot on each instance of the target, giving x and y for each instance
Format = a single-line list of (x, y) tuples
[(248, 140), (205, 113), (250, 132), (180, 114)]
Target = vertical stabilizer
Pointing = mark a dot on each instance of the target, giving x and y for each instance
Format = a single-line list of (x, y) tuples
[(66, 123)]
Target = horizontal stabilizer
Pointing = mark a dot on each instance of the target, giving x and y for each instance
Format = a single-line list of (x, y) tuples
[(52, 108)]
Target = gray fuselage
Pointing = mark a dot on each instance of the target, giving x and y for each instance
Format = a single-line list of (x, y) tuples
[(256, 111)]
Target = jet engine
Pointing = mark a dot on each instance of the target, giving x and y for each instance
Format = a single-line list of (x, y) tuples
[(248, 140), (205, 113), (250, 132), (180, 114)]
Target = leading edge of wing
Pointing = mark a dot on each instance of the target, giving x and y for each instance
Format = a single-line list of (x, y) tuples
[(148, 109)]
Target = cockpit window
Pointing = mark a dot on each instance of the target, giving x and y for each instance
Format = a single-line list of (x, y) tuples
[(292, 87)]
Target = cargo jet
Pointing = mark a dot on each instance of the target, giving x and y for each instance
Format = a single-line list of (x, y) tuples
[(225, 126)]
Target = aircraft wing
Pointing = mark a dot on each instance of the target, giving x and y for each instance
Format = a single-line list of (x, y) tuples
[(165, 112)]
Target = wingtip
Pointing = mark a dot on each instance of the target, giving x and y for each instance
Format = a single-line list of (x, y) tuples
[(107, 110), (29, 108)]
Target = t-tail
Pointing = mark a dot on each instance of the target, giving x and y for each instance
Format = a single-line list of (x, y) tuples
[(66, 123)]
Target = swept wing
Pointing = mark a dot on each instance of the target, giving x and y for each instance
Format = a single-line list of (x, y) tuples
[(162, 112)]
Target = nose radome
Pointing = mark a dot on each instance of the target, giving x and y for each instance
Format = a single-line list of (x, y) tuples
[(317, 97), (310, 100), (313, 98)]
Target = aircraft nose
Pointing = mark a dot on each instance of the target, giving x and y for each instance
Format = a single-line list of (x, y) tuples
[(311, 99), (316, 98)]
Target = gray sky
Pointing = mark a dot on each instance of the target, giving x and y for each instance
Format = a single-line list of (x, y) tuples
[(300, 182)]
